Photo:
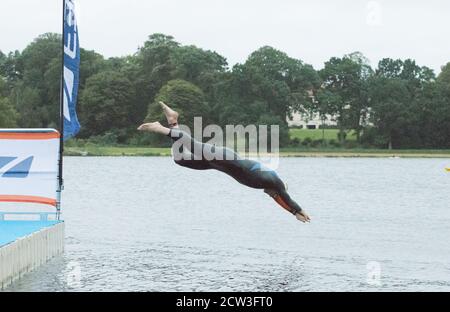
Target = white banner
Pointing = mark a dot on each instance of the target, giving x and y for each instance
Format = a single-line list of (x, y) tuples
[(29, 165)]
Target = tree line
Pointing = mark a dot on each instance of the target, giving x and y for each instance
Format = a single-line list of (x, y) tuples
[(398, 104)]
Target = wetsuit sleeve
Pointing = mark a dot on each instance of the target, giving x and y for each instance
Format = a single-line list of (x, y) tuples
[(285, 201)]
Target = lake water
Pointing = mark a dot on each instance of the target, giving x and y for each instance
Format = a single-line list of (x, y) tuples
[(145, 224)]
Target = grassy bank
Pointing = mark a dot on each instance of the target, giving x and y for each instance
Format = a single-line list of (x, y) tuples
[(381, 153), (93, 150), (319, 134), (300, 150)]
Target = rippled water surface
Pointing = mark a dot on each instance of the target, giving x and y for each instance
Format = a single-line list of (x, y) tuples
[(145, 224)]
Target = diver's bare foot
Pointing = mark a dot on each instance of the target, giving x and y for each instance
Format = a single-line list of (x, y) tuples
[(303, 217), (171, 115), (154, 127)]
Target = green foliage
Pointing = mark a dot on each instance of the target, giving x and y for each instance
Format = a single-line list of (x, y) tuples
[(29, 105), (345, 91), (196, 65), (40, 68), (271, 120), (444, 76), (307, 141), (266, 89), (319, 134), (105, 104), (399, 104), (8, 114), (3, 87), (186, 98), (107, 139)]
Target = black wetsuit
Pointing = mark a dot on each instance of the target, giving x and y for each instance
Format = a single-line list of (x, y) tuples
[(201, 156)]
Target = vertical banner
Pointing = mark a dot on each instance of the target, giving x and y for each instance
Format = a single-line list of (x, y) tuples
[(71, 70)]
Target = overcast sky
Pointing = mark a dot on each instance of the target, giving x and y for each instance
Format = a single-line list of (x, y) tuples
[(311, 30)]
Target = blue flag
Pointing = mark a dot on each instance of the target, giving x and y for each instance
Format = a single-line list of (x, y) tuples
[(71, 71)]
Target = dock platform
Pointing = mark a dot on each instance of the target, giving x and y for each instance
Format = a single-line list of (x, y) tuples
[(25, 245)]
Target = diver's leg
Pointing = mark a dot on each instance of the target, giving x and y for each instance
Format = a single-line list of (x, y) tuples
[(187, 160), (210, 152), (155, 127), (171, 115)]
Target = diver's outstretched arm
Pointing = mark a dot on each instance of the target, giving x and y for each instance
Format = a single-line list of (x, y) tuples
[(284, 200)]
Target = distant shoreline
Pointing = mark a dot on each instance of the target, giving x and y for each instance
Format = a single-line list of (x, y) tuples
[(129, 151)]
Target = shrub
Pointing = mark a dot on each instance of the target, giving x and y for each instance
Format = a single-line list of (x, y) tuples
[(334, 143), (317, 143), (351, 144), (307, 141), (106, 139), (342, 136), (75, 143), (141, 139), (295, 142)]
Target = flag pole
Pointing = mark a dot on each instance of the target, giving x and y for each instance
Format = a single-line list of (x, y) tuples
[(61, 120)]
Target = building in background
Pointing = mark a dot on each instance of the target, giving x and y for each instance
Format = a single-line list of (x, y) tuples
[(310, 121)]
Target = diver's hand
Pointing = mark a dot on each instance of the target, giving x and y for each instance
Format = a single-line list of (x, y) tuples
[(303, 217)]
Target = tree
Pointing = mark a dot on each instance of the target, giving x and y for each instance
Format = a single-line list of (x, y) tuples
[(268, 83), (444, 76), (186, 98), (91, 63), (37, 59), (155, 62), (282, 81), (345, 80), (324, 104), (401, 97), (389, 108), (205, 69), (11, 67), (106, 103), (27, 102), (2, 61), (194, 64), (435, 114), (8, 114), (413, 75), (407, 105), (3, 88), (39, 69)]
